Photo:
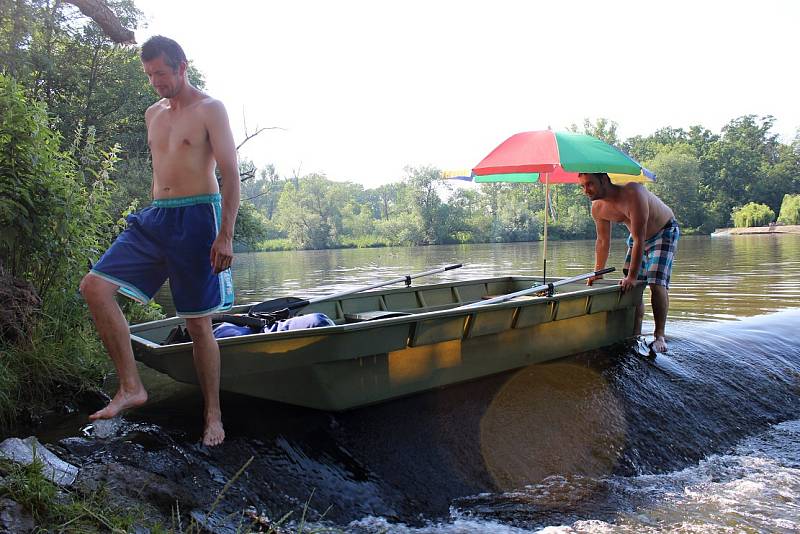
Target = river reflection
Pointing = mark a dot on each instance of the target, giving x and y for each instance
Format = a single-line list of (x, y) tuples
[(714, 278)]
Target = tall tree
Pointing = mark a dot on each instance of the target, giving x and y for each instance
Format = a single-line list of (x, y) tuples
[(678, 185)]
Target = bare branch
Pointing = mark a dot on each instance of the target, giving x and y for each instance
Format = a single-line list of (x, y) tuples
[(247, 136), (247, 175)]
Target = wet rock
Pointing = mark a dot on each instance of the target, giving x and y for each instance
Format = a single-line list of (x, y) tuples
[(131, 487), (24, 451), (105, 428), (14, 518), (216, 523)]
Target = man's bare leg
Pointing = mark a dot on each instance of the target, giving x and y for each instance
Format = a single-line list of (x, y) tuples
[(114, 332), (659, 298), (206, 363)]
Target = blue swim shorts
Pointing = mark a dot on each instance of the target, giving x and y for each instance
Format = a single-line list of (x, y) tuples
[(658, 254), (171, 239)]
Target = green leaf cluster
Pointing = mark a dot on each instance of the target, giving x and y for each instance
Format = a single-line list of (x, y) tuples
[(54, 211), (54, 203), (790, 210), (752, 214)]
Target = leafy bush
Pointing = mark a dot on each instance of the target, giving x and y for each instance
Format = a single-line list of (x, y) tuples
[(273, 245), (251, 226), (53, 205), (54, 212), (790, 210), (752, 214)]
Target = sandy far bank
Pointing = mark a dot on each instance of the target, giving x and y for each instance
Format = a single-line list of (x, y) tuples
[(776, 229)]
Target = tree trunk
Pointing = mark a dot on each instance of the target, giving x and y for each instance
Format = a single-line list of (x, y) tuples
[(99, 12)]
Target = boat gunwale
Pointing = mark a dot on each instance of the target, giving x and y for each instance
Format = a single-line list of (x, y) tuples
[(610, 286)]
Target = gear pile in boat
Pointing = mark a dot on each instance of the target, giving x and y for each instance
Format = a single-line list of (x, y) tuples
[(254, 323)]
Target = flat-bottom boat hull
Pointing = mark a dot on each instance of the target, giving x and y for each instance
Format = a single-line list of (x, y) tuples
[(351, 365)]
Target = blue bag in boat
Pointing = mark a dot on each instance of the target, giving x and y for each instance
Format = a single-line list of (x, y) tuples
[(311, 320), (230, 330)]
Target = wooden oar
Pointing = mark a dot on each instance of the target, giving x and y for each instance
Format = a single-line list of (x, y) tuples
[(292, 303), (544, 287)]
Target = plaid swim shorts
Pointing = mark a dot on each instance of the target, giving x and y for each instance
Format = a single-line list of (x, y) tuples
[(659, 251)]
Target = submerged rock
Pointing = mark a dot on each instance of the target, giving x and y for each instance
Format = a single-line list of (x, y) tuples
[(23, 451)]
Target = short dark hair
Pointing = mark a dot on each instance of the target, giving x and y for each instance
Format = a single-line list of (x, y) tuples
[(599, 175), (157, 45)]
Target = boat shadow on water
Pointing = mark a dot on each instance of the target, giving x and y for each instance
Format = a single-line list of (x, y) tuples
[(536, 446)]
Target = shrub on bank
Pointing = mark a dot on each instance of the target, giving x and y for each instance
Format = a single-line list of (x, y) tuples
[(790, 210), (752, 214), (364, 241), (272, 245), (54, 212)]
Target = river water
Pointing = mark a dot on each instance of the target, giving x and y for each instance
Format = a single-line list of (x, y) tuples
[(705, 438)]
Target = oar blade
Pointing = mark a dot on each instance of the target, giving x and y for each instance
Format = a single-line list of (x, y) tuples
[(278, 304)]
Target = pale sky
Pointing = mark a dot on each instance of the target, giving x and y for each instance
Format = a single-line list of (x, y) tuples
[(364, 88)]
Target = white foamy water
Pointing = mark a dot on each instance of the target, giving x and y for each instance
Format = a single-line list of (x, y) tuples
[(753, 488)]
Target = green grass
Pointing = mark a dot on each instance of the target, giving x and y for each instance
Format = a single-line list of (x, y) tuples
[(59, 510), (69, 511), (62, 358), (367, 241), (272, 245)]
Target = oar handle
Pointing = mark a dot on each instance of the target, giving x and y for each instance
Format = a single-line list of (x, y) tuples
[(536, 289), (406, 278)]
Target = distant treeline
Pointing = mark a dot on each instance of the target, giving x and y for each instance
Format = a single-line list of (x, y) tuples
[(90, 84), (705, 178)]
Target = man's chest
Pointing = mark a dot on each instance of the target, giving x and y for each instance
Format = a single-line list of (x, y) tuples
[(169, 132), (611, 213)]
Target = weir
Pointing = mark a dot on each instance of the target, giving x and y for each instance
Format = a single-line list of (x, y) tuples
[(582, 420)]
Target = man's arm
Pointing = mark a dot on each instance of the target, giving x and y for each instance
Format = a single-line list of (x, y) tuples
[(602, 243), (223, 149), (639, 212), (148, 116)]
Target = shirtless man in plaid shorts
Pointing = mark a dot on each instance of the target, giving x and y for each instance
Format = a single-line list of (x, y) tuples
[(651, 245)]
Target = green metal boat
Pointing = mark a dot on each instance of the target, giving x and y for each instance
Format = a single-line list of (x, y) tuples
[(396, 342)]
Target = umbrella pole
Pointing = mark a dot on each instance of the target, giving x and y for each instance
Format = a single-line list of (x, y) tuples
[(546, 207)]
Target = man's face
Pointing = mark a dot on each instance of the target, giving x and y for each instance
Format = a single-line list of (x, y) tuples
[(592, 187), (166, 81)]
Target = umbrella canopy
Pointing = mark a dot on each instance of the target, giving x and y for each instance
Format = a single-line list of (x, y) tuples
[(458, 174), (559, 156), (556, 157)]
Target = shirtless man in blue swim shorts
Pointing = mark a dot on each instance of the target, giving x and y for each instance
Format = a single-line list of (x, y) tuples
[(184, 236), (654, 235)]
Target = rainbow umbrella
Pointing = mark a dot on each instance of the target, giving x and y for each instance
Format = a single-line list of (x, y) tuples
[(558, 158)]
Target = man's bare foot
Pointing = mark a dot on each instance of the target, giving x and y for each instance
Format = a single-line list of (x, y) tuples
[(121, 401), (659, 344), (213, 434)]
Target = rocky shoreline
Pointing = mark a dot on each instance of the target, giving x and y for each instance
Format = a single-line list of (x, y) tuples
[(165, 483)]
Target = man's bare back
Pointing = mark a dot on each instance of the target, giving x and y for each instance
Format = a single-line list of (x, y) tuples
[(620, 208)]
